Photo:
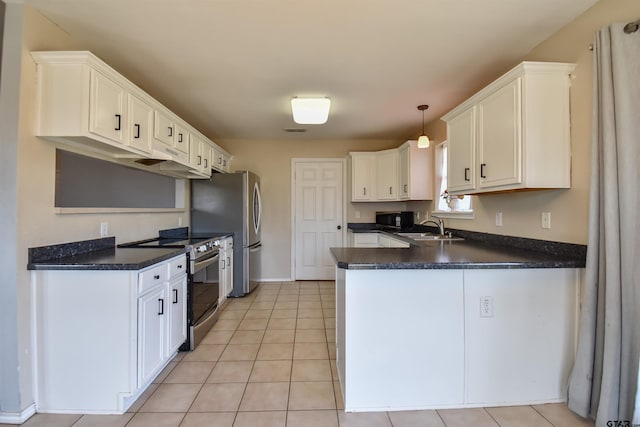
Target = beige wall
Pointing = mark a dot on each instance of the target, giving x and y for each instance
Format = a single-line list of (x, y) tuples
[(569, 208)]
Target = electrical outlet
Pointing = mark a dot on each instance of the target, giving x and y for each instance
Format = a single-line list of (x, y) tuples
[(498, 219), (357, 214), (179, 221), (417, 215), (486, 306), (545, 220), (104, 229)]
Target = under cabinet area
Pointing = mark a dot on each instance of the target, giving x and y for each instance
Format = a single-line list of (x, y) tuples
[(404, 173), (87, 107), (514, 134), (102, 336)]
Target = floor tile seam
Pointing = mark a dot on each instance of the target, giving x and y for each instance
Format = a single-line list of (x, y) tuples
[(542, 415), (491, 416), (440, 416)]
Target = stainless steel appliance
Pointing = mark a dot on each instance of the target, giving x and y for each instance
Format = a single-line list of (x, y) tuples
[(231, 203), (399, 220), (203, 285)]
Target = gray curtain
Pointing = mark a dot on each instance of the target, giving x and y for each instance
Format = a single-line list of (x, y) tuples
[(604, 380)]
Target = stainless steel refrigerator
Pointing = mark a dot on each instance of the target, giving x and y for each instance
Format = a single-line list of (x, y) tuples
[(231, 203)]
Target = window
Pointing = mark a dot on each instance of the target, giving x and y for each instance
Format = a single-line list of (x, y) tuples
[(445, 205)]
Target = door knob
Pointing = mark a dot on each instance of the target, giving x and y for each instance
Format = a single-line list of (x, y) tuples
[(339, 227)]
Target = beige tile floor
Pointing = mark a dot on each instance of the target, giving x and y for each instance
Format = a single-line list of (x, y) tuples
[(270, 361)]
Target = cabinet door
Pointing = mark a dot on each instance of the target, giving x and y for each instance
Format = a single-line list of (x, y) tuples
[(404, 173), (140, 119), (152, 319), (499, 137), (195, 152), (182, 140), (461, 133), (362, 173), (207, 155), (387, 175), (163, 128), (177, 313), (228, 279), (106, 111)]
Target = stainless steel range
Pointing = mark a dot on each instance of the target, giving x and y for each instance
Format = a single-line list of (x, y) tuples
[(203, 286)]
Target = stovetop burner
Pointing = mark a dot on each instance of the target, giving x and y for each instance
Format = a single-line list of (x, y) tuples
[(198, 245)]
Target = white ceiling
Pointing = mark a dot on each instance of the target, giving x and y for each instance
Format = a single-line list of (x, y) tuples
[(230, 67)]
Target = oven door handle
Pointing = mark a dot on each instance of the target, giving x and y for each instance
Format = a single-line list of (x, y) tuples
[(206, 262)]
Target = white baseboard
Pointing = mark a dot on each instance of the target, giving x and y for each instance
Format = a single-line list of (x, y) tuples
[(17, 417), (276, 280)]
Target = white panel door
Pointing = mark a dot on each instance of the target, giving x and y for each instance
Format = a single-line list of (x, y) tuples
[(318, 217)]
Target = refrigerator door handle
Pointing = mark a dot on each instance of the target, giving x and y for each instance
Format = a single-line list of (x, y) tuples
[(255, 247)]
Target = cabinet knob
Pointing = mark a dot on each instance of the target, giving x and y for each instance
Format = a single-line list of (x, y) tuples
[(482, 166), (118, 121), (339, 227), (137, 126), (466, 174), (170, 130), (161, 306), (390, 190), (156, 277), (175, 296)]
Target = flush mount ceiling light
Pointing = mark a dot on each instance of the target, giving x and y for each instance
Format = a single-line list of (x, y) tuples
[(310, 111), (423, 139)]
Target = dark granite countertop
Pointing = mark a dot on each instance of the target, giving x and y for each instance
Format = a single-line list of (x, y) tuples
[(477, 251), (97, 254)]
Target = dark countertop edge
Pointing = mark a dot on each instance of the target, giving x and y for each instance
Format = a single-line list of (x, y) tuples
[(459, 266), (60, 264), (574, 251)]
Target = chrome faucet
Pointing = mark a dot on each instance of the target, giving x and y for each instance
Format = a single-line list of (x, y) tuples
[(439, 224)]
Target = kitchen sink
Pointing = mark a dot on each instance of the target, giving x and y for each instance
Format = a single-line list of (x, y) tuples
[(428, 236)]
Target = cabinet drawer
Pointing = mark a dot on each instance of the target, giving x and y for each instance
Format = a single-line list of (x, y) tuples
[(147, 279), (177, 266)]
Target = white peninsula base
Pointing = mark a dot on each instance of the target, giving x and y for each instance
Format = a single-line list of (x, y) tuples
[(431, 339)]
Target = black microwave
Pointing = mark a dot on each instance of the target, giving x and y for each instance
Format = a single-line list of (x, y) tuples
[(399, 220)]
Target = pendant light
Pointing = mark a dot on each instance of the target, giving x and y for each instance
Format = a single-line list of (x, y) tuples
[(423, 139)]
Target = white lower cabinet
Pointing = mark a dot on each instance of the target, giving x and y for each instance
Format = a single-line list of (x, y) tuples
[(152, 324), (177, 314), (376, 240), (102, 336), (226, 268), (437, 344)]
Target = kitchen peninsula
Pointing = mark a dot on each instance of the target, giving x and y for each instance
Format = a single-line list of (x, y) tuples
[(451, 324)]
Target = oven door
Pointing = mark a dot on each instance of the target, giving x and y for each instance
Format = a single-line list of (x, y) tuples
[(205, 291)]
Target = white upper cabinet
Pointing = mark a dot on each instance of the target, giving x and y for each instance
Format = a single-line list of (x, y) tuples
[(107, 107), (140, 123), (363, 176), (91, 109), (163, 129), (387, 166), (513, 134), (404, 173), (416, 172), (461, 148)]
